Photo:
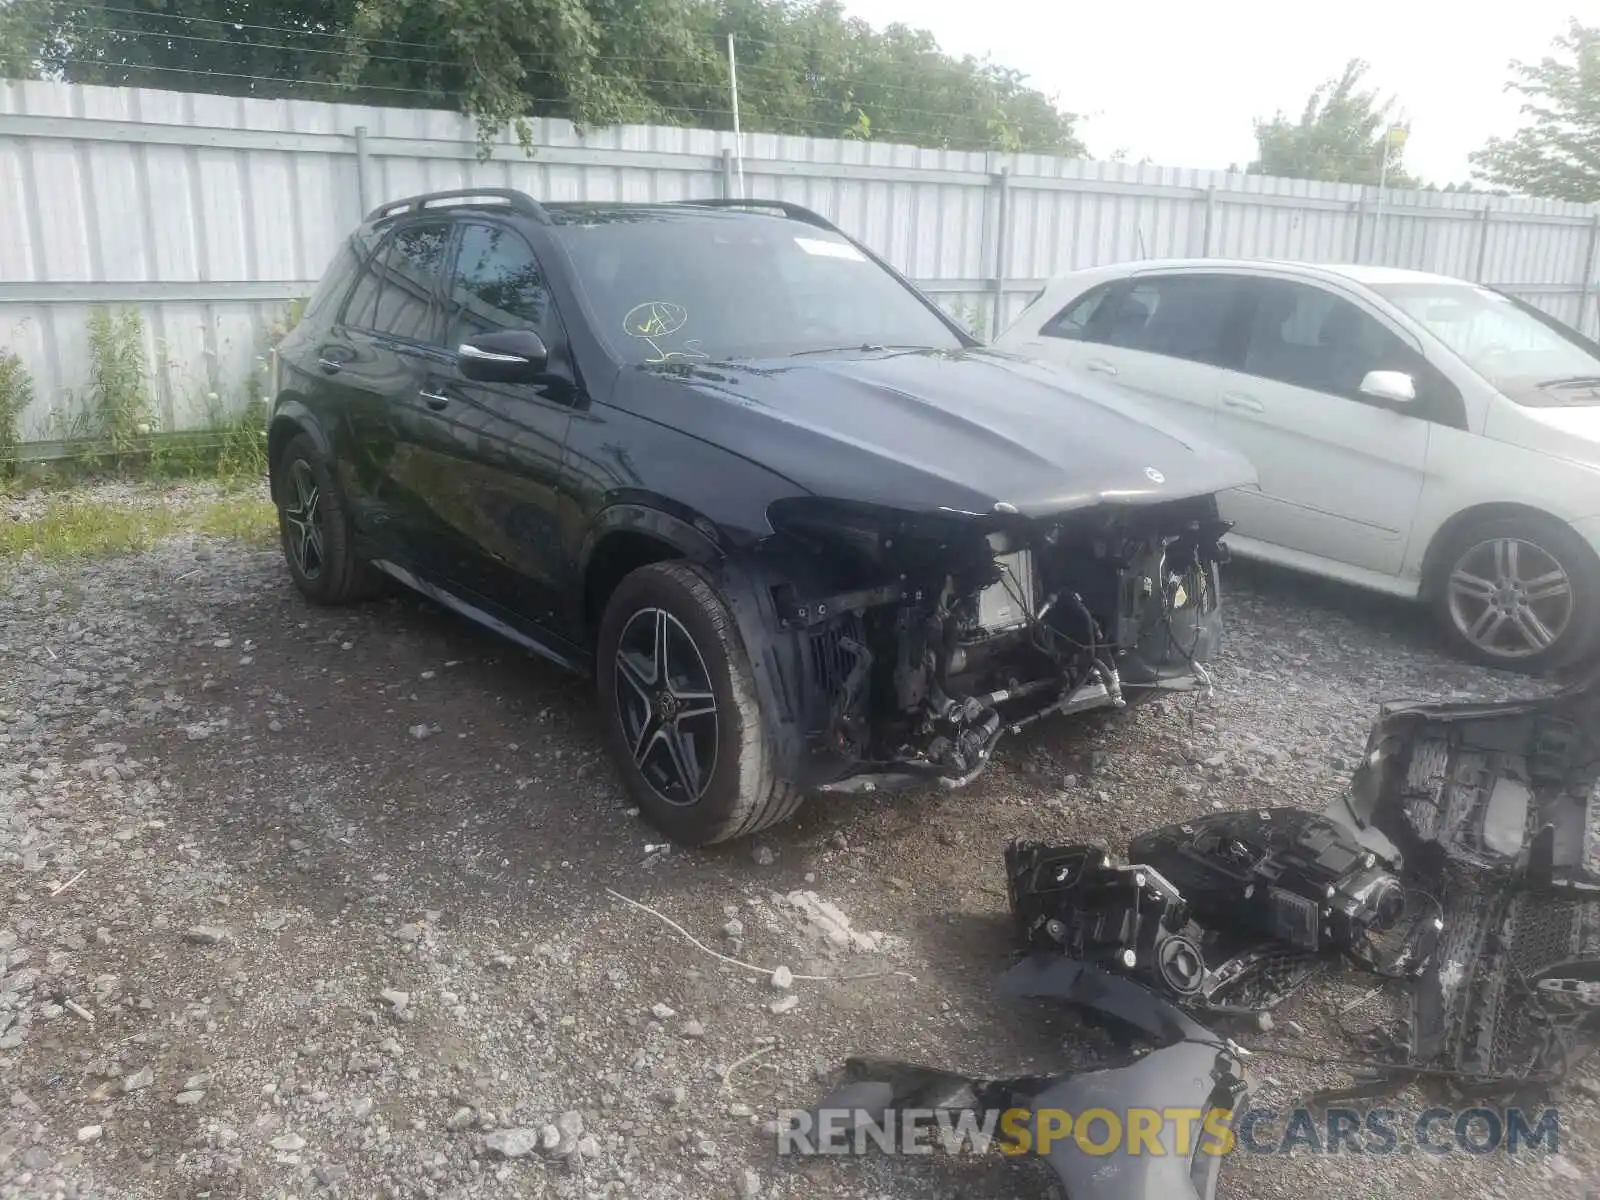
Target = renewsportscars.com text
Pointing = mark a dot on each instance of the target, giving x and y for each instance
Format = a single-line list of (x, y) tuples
[(1177, 1131)]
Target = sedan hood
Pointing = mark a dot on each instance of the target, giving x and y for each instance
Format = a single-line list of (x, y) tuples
[(928, 430), (1569, 432), (1578, 423)]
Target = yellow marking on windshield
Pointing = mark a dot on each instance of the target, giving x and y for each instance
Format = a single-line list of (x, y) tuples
[(656, 319)]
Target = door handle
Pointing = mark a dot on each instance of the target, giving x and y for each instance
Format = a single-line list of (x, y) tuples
[(1242, 402), (1100, 367), (329, 366), (434, 400)]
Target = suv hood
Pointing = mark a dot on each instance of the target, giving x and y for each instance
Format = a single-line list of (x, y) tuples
[(926, 430)]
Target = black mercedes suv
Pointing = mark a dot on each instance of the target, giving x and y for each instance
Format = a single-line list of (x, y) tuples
[(804, 532)]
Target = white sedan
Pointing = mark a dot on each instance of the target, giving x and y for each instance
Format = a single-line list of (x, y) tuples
[(1412, 433)]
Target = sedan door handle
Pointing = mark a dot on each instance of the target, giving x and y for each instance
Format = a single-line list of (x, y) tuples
[(1100, 367), (1242, 402), (434, 400), (329, 367)]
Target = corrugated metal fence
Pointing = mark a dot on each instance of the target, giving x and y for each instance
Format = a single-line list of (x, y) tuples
[(210, 213)]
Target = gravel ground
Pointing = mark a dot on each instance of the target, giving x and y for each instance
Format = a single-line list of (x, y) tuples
[(305, 903)]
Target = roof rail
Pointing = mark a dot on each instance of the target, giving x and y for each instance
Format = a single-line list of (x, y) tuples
[(519, 202), (795, 212)]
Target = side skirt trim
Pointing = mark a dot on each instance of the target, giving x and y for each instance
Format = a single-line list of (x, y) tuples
[(479, 616)]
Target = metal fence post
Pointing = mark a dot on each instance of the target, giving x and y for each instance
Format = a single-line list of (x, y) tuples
[(1211, 217), (1002, 245), (727, 174), (1483, 243), (1377, 227), (1361, 220), (1591, 285), (363, 187)]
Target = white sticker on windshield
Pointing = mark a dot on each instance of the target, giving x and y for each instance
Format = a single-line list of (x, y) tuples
[(830, 249)]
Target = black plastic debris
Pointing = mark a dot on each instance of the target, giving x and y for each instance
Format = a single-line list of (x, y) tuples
[(1229, 913), (1191, 1070), (1494, 811), (1465, 861)]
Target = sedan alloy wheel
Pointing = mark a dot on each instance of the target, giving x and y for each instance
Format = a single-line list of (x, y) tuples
[(1510, 597)]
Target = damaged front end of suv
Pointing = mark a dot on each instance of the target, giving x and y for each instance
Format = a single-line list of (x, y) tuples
[(891, 647)]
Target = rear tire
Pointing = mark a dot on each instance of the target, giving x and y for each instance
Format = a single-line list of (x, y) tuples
[(314, 527), (1521, 593), (679, 707)]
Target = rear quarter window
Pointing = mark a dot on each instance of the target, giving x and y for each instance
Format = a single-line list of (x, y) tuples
[(334, 284)]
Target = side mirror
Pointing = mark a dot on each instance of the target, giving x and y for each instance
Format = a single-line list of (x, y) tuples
[(1396, 387), (513, 356)]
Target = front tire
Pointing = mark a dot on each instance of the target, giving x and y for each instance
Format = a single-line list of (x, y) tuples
[(679, 707), (314, 527), (1518, 593)]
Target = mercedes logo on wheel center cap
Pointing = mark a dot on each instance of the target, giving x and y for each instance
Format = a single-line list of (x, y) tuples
[(1154, 476)]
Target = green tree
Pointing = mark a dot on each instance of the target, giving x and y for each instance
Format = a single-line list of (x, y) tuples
[(1466, 188), (243, 47), (24, 26), (1339, 137), (804, 66), (1556, 155)]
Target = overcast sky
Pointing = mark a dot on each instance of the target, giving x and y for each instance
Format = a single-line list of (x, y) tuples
[(1180, 82)]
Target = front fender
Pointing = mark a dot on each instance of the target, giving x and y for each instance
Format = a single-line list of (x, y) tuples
[(693, 537), (783, 656)]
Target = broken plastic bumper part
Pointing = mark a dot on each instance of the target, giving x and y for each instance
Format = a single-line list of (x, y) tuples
[(1193, 1072), (1494, 811)]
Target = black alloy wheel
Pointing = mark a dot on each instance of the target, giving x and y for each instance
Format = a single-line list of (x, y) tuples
[(314, 527), (666, 706), (679, 707), (303, 514)]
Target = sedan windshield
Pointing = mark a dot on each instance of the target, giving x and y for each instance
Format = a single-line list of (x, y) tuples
[(1531, 358), (684, 287)]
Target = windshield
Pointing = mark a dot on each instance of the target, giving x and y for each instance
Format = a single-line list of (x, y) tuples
[(683, 287), (1530, 361)]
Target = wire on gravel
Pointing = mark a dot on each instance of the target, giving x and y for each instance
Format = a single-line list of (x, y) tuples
[(767, 971)]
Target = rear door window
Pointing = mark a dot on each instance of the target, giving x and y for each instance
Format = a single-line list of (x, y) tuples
[(1179, 316), (1076, 321)]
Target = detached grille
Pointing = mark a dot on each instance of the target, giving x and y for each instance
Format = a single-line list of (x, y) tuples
[(1493, 1022), (1543, 932)]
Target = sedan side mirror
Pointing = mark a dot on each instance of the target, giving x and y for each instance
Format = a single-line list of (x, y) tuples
[(512, 356), (1394, 386)]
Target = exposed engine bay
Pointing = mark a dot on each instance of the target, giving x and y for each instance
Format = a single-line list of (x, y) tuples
[(1464, 864), (895, 646)]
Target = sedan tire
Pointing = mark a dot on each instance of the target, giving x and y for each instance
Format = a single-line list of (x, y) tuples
[(678, 703), (1521, 593)]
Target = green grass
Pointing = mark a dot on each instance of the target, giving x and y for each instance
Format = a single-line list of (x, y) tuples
[(244, 518), (68, 527)]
